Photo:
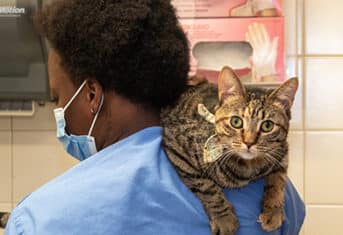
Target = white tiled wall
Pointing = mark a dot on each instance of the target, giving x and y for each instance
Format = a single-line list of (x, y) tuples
[(5, 167), (323, 31), (325, 220), (42, 120), (323, 172), (322, 55), (296, 163), (30, 155), (290, 12), (324, 92), (5, 123), (37, 157), (294, 69)]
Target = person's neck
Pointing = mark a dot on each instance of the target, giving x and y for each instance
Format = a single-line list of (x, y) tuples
[(122, 118)]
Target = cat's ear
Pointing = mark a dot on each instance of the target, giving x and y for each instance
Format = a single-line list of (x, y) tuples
[(229, 84), (285, 94)]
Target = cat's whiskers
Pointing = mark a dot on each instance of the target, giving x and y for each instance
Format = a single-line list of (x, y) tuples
[(225, 157), (204, 174), (211, 165), (267, 159), (218, 161), (272, 160), (277, 154), (215, 149), (263, 149), (218, 147)]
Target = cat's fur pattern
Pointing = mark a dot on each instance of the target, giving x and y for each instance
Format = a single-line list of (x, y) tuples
[(4, 216), (185, 134)]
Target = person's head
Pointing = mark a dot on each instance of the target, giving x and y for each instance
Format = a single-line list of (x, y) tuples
[(129, 50)]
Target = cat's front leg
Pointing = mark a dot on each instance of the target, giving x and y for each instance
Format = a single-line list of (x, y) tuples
[(223, 220), (272, 214)]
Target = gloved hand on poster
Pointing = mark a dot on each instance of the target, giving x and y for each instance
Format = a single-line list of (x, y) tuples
[(264, 52), (255, 8)]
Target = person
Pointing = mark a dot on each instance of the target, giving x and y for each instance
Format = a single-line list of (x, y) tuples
[(114, 64)]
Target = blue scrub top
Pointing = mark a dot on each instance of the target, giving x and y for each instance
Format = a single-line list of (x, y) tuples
[(131, 188)]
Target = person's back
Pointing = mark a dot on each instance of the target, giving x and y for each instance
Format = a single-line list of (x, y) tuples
[(131, 187)]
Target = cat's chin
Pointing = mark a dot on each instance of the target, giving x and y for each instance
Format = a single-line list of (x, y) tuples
[(246, 155)]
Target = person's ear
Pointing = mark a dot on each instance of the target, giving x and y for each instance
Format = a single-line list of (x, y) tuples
[(229, 85), (284, 95), (94, 95)]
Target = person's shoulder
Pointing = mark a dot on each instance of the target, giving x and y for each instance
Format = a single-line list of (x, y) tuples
[(293, 200), (137, 162), (247, 203), (295, 211)]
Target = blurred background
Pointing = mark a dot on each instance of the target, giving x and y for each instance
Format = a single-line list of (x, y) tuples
[(30, 154)]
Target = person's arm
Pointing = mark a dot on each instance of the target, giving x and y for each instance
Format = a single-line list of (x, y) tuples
[(247, 202), (11, 227), (294, 211), (21, 222)]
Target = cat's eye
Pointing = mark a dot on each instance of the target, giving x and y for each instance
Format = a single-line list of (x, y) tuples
[(267, 126), (236, 122)]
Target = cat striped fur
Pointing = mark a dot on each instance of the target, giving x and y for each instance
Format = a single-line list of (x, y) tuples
[(249, 148), (4, 216)]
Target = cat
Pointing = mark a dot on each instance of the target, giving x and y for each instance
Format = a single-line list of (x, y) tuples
[(4, 216), (247, 141)]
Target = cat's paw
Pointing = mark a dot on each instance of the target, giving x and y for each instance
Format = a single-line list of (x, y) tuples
[(226, 225), (271, 219)]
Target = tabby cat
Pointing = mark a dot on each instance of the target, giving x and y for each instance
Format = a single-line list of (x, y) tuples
[(3, 219), (246, 141)]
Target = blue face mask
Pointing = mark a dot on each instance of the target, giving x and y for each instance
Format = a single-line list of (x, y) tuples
[(82, 146)]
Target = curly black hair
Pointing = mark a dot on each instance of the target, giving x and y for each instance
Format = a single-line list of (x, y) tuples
[(133, 47)]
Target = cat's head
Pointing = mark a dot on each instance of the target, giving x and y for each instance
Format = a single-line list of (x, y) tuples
[(253, 123)]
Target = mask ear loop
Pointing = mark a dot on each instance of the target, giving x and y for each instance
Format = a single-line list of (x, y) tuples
[(73, 97), (96, 116)]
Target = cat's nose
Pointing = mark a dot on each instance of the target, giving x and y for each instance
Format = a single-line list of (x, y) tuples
[(249, 144), (250, 138)]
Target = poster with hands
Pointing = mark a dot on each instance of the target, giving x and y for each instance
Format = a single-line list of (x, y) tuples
[(264, 53)]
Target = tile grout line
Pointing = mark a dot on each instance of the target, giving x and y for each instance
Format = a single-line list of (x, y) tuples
[(297, 74), (323, 55), (301, 15), (12, 162), (293, 55), (303, 30), (297, 70), (296, 35), (304, 74), (302, 11), (323, 130)]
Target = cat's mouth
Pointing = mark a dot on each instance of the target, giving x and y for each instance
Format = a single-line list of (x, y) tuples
[(247, 154)]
